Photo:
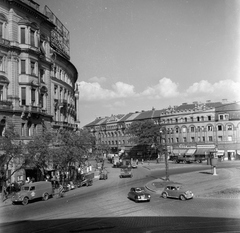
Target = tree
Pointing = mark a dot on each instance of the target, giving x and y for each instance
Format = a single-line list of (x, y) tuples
[(144, 134), (12, 154), (39, 151), (73, 149), (148, 133)]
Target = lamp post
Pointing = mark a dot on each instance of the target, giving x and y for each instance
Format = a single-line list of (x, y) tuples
[(164, 149)]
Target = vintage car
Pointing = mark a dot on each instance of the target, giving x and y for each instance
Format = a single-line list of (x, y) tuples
[(134, 165), (31, 191), (126, 172), (138, 194), (176, 191)]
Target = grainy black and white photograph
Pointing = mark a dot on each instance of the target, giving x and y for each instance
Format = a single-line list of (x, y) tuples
[(119, 116)]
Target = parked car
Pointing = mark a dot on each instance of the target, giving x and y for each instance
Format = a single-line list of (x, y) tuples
[(176, 191), (134, 165), (126, 172), (138, 194), (31, 191)]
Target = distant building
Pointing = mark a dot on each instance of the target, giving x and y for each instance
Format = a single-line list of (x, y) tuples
[(197, 128)]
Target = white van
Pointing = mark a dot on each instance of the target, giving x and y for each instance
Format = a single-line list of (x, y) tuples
[(31, 191)]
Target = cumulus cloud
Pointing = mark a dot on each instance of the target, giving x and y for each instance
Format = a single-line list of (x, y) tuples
[(123, 90), (94, 91), (166, 88), (219, 90), (98, 80)]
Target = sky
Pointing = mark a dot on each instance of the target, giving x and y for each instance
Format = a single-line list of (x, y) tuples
[(134, 55)]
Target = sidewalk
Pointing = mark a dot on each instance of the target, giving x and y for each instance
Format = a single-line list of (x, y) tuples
[(203, 183)]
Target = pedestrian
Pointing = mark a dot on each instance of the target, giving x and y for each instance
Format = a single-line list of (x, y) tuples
[(60, 190), (137, 161), (142, 161)]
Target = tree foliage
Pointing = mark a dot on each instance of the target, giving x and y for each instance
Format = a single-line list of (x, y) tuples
[(144, 132), (39, 151), (11, 153)]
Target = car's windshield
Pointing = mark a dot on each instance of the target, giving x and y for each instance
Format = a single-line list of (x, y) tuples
[(139, 190)]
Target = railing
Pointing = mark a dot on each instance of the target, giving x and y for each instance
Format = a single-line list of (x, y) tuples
[(31, 4), (4, 42)]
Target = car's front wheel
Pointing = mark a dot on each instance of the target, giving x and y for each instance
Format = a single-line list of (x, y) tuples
[(164, 195), (182, 198), (25, 201)]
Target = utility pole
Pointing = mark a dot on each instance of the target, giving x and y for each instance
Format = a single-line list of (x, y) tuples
[(164, 149)]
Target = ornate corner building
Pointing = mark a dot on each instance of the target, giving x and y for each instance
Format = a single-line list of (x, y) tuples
[(197, 128), (37, 79)]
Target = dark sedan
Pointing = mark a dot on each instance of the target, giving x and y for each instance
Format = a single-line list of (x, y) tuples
[(138, 194)]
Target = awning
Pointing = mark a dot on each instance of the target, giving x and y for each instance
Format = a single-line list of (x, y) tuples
[(179, 151), (203, 151), (190, 151), (220, 152)]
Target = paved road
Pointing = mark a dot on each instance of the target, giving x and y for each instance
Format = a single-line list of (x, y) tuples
[(104, 207)]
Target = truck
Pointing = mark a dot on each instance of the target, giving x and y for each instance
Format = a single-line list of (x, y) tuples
[(188, 159)]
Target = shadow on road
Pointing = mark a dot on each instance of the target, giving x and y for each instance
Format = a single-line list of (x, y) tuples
[(125, 224)]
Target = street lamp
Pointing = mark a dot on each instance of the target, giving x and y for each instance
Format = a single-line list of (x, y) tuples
[(164, 149)]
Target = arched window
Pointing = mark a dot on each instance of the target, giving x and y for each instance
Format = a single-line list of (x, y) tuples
[(3, 88)]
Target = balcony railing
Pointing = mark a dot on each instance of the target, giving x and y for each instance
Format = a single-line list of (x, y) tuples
[(4, 42)]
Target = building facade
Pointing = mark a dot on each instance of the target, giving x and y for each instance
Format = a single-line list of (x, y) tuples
[(197, 128), (37, 79)]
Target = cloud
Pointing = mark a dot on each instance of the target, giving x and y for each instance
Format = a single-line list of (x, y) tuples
[(123, 90), (220, 90), (98, 80), (94, 91), (166, 88)]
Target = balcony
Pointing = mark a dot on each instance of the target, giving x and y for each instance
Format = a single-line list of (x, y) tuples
[(5, 104), (4, 42)]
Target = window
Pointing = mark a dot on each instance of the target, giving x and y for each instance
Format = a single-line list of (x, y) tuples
[(184, 139), (230, 138), (219, 127), (33, 92), (23, 95), (230, 127), (177, 130), (176, 120), (192, 139), (22, 129), (23, 35), (209, 118), (33, 71), (191, 118), (192, 129), (198, 118), (203, 139), (177, 140), (1, 92), (1, 29), (199, 139), (23, 67), (209, 128), (185, 119), (32, 39), (219, 138), (210, 138), (42, 76), (184, 130)]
